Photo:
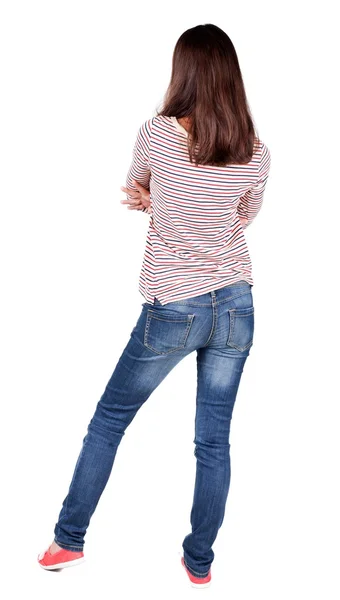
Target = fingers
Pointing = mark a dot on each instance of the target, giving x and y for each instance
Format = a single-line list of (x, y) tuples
[(131, 192), (132, 202), (135, 200), (140, 190)]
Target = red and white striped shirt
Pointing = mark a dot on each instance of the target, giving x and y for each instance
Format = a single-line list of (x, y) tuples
[(195, 241)]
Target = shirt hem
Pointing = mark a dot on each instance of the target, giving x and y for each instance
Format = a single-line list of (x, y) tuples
[(167, 298)]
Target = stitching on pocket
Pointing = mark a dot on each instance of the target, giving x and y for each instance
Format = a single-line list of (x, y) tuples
[(169, 318), (239, 313), (185, 319)]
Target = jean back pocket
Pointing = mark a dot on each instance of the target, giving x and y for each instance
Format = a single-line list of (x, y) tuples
[(241, 328), (166, 332)]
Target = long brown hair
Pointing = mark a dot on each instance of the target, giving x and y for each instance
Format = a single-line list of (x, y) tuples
[(206, 85)]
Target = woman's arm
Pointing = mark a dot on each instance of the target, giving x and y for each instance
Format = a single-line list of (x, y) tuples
[(250, 204), (138, 177)]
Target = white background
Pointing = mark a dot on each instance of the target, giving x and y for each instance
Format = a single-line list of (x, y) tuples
[(77, 81)]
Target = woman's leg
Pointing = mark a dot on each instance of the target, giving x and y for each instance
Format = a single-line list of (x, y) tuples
[(138, 373), (219, 369)]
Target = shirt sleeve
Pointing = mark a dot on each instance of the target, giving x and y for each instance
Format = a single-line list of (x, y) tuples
[(250, 204), (140, 165)]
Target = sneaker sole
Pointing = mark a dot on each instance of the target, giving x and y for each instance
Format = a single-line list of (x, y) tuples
[(195, 585), (69, 563)]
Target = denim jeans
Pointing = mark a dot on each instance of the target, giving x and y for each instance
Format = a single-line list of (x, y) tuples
[(219, 326)]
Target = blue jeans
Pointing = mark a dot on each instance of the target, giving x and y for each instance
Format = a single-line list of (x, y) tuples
[(219, 325)]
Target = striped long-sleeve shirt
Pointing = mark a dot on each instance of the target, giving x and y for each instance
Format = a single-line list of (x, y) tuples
[(195, 241)]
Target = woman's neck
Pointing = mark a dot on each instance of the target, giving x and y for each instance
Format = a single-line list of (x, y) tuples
[(185, 122)]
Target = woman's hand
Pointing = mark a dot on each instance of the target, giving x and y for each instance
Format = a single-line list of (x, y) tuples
[(140, 199), (244, 221)]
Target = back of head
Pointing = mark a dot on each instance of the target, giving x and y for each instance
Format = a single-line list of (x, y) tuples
[(207, 87)]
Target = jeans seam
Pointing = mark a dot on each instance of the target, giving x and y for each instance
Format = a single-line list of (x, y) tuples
[(213, 327)]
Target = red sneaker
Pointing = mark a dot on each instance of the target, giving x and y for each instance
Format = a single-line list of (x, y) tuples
[(59, 560), (197, 582)]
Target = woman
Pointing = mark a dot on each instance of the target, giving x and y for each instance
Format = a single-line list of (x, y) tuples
[(199, 171)]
